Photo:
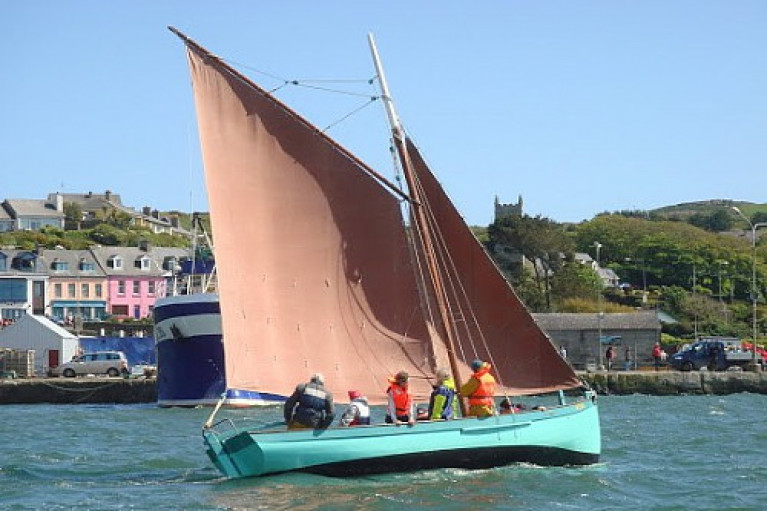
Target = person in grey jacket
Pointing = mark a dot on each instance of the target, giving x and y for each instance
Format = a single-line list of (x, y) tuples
[(358, 411), (310, 405)]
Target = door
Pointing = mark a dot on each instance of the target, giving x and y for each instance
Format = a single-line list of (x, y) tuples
[(54, 358), (38, 298)]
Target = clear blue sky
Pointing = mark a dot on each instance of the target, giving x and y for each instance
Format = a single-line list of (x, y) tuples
[(579, 107)]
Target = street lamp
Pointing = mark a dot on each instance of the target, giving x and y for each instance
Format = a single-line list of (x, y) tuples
[(695, 302), (754, 298), (644, 277), (721, 301), (601, 314)]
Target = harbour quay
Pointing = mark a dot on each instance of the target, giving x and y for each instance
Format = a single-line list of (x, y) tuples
[(674, 383), (78, 390)]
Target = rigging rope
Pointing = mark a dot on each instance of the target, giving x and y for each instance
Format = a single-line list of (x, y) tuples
[(457, 291), (349, 114)]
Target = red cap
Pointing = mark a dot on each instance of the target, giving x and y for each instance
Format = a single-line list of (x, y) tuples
[(354, 394)]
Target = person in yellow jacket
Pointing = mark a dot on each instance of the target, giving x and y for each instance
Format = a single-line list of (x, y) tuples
[(480, 390), (443, 403)]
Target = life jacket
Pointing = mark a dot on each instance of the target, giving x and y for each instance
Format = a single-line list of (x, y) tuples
[(485, 392), (312, 405), (402, 400), (363, 412), (442, 404)]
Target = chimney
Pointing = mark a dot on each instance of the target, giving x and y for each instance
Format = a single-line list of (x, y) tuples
[(59, 202), (146, 210), (174, 221), (108, 195), (156, 214), (143, 245), (89, 195)]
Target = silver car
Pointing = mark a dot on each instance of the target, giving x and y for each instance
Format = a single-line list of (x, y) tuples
[(112, 363)]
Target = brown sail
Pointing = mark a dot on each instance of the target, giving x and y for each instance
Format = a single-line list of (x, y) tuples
[(491, 322), (314, 268)]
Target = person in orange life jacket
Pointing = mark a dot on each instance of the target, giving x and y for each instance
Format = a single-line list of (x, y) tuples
[(401, 408), (310, 405), (443, 402), (358, 411), (480, 390)]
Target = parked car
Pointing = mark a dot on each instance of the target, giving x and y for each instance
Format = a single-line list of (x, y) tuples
[(112, 363), (713, 353)]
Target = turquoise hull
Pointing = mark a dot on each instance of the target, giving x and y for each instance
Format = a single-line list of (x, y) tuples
[(562, 435)]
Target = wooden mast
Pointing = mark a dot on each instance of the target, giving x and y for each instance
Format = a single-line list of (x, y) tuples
[(419, 217)]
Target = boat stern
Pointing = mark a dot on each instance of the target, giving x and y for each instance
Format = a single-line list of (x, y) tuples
[(237, 455)]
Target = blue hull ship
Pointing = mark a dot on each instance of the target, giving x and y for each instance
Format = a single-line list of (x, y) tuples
[(190, 355)]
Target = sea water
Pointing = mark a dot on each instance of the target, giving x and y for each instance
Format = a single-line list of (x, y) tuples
[(659, 453)]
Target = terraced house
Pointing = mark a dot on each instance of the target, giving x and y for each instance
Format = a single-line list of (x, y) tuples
[(88, 284)]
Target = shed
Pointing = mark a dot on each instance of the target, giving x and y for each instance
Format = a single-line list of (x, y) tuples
[(579, 334), (53, 345)]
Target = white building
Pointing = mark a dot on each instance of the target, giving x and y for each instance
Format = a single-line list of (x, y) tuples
[(52, 344)]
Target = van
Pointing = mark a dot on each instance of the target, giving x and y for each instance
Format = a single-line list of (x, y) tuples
[(112, 363)]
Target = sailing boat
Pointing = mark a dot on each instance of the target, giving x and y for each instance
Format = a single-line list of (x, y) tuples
[(319, 272)]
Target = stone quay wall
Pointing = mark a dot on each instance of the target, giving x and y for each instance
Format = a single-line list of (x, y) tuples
[(78, 391), (672, 383)]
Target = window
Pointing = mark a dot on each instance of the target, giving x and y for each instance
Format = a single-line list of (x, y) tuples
[(3, 262), (25, 261), (115, 262), (12, 290), (97, 290), (57, 290), (59, 265), (169, 263), (86, 265), (150, 287), (144, 263), (120, 287), (85, 290), (120, 310), (71, 290), (136, 287)]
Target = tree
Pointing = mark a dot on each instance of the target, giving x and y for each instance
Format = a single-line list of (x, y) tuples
[(73, 214), (573, 280), (538, 240), (717, 221)]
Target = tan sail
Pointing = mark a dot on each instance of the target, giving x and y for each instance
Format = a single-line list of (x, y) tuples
[(315, 271), (314, 268), (490, 320)]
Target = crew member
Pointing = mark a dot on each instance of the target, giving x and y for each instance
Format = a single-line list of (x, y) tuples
[(442, 404), (358, 411), (401, 408), (480, 390), (310, 405)]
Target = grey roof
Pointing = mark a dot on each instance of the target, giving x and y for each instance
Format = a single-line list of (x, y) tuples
[(641, 320), (72, 258), (11, 254), (33, 207), (129, 257), (89, 201)]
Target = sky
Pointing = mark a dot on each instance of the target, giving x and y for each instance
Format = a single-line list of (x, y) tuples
[(577, 107)]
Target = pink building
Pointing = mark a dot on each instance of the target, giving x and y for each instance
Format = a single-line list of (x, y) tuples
[(136, 277)]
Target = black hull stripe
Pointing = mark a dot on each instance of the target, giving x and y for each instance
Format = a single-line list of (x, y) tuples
[(482, 458), (185, 309)]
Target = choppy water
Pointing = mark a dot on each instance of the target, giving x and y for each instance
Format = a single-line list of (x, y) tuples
[(659, 453)]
